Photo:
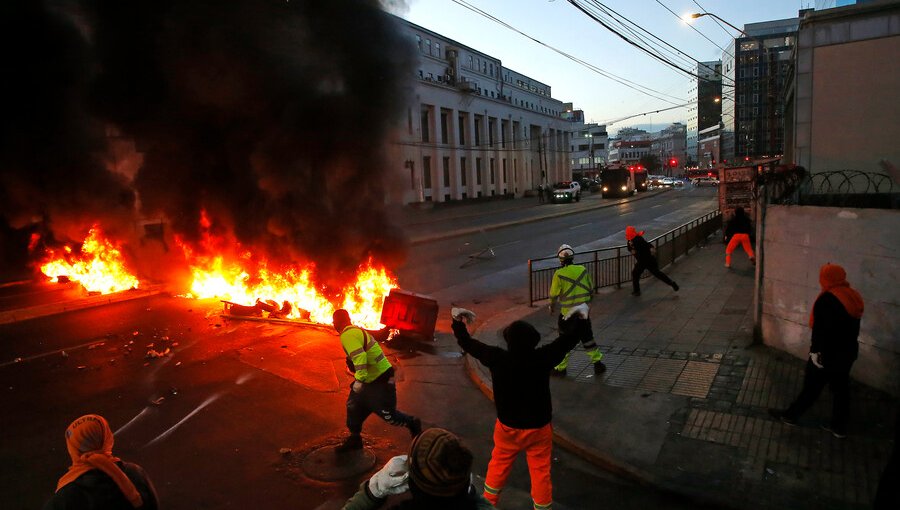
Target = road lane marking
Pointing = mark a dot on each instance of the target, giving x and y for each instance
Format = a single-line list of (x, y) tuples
[(171, 429), (579, 226), (506, 244), (655, 206)]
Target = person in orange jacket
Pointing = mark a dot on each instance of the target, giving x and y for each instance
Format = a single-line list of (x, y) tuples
[(521, 382)]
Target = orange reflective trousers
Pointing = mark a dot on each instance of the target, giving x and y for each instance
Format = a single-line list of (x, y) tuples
[(538, 446), (744, 241)]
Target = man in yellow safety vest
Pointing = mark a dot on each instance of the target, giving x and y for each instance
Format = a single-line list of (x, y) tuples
[(373, 389), (572, 286)]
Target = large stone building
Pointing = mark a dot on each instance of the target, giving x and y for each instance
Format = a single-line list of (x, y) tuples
[(705, 109), (669, 148), (752, 113), (474, 128)]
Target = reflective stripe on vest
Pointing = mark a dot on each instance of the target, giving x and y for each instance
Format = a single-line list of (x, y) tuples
[(575, 291)]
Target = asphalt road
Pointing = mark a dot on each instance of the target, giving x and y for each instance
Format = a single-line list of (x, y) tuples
[(208, 420)]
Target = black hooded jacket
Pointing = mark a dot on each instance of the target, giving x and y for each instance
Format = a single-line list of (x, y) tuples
[(95, 490), (739, 224), (521, 375)]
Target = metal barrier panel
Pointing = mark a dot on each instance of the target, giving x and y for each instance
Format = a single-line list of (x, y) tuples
[(612, 266)]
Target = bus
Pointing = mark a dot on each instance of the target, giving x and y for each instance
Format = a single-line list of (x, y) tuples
[(617, 181), (641, 179)]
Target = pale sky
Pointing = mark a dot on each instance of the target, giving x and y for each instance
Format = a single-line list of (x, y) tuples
[(559, 24)]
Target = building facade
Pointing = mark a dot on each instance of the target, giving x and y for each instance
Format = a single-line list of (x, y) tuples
[(708, 147), (669, 146), (753, 109), (474, 128), (706, 105), (589, 149)]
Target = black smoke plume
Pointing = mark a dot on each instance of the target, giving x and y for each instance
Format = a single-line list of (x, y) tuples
[(269, 115)]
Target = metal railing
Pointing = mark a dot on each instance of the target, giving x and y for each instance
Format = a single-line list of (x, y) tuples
[(612, 266)]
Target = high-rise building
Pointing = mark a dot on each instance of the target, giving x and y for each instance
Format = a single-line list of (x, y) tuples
[(588, 150), (757, 64), (706, 105)]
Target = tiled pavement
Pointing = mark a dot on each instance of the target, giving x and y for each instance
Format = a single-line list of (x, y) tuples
[(694, 351)]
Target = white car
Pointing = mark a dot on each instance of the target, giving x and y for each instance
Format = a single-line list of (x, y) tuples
[(705, 181), (667, 181), (566, 191)]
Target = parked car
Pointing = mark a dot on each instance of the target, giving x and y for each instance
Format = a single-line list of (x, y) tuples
[(679, 183), (667, 181), (656, 180), (705, 181), (566, 191)]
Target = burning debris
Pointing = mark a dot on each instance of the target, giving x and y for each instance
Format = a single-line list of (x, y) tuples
[(98, 266), (225, 126)]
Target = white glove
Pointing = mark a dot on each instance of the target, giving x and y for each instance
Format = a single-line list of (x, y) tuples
[(357, 386), (581, 309), (816, 358), (393, 478), (459, 314)]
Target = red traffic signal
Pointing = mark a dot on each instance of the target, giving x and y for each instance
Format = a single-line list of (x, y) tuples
[(673, 162)]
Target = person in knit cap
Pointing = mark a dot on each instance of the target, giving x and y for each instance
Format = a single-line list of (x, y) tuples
[(520, 376), (835, 320), (97, 479), (645, 259), (437, 474)]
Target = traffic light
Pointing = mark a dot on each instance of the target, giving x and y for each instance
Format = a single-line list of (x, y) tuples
[(673, 162)]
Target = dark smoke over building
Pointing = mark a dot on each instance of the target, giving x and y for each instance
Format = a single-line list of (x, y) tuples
[(269, 115)]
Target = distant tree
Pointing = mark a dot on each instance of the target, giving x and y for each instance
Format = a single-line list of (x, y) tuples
[(651, 163)]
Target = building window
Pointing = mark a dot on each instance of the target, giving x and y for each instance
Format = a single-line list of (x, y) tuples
[(461, 121), (478, 173), (428, 46), (502, 134), (491, 123), (492, 171), (462, 172), (419, 41), (755, 98), (426, 171), (444, 128), (469, 62), (478, 130), (755, 72), (504, 170), (446, 172), (425, 131), (437, 49)]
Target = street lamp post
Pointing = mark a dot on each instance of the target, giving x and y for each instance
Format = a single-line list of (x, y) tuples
[(701, 14)]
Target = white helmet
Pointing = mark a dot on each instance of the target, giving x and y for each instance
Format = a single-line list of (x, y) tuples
[(565, 252)]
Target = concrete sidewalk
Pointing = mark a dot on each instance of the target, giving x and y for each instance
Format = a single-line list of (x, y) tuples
[(683, 403)]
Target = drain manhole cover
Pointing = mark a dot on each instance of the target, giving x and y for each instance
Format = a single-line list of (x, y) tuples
[(325, 465)]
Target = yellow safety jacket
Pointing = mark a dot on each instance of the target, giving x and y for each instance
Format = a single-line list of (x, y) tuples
[(364, 353), (572, 285)]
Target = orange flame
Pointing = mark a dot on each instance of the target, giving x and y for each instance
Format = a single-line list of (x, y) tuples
[(99, 267), (230, 281)]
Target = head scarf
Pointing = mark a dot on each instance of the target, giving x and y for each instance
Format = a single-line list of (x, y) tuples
[(439, 464), (833, 279), (90, 441), (631, 233)]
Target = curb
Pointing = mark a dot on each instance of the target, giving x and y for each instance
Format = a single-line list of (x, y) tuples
[(495, 226), (34, 312)]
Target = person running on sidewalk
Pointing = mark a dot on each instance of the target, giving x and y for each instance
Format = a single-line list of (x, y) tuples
[(570, 287), (97, 478), (541, 193), (834, 320), (521, 382), (373, 389), (738, 233), (645, 259), (437, 473)]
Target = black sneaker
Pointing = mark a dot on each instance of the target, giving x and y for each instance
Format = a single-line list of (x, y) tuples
[(558, 373), (834, 432), (675, 286), (783, 416), (599, 367), (352, 443), (415, 427)]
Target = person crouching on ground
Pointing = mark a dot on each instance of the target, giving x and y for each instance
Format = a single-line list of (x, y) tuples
[(835, 321), (97, 479), (521, 381), (644, 259), (738, 233), (437, 473)]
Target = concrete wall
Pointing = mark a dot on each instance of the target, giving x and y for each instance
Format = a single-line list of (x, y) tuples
[(866, 242)]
